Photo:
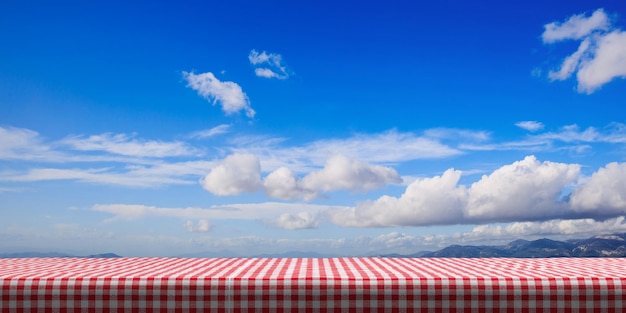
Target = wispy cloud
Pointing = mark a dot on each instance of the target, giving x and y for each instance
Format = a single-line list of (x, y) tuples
[(378, 148), (268, 65), (123, 144), (399, 242), (265, 211), (24, 144), (600, 56), (142, 176), (570, 137), (202, 226), (557, 228), (300, 171), (96, 175), (207, 133), (92, 240), (575, 27), (442, 133), (228, 95), (9, 189), (532, 126)]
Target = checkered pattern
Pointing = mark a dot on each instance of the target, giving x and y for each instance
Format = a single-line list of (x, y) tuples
[(312, 285)]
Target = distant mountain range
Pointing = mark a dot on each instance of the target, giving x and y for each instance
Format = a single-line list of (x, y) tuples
[(54, 255), (599, 246), (613, 245)]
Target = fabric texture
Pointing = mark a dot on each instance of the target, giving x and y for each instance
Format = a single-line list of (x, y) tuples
[(312, 285)]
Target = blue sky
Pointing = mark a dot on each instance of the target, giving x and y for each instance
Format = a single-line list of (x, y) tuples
[(242, 127)]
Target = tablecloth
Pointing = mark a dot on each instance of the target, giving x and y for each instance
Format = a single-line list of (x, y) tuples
[(312, 285)]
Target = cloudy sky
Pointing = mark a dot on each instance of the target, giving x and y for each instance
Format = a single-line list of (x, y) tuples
[(247, 127)]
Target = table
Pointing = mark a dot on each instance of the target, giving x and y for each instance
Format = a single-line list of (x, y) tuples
[(312, 285)]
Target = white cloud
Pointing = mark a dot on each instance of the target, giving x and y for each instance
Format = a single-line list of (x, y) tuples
[(403, 243), (524, 190), (267, 73), (202, 226), (302, 220), (608, 62), (456, 134), (123, 144), (273, 61), (241, 173), (207, 133), (572, 133), (265, 211), (284, 184), (236, 174), (426, 201), (558, 228), (381, 148), (385, 147), (604, 193), (56, 237), (600, 57), (26, 145), (571, 63), (228, 94), (23, 144), (342, 173), (532, 126), (552, 141), (151, 175), (95, 175), (8, 189), (575, 27)]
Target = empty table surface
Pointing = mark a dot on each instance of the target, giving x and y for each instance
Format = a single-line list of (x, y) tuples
[(312, 285)]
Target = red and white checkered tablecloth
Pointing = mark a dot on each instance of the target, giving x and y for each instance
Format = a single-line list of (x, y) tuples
[(312, 285)]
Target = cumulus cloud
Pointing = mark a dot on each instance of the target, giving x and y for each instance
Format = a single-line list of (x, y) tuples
[(123, 144), (271, 62), (236, 174), (532, 126), (202, 226), (525, 190), (301, 220), (426, 201), (240, 173), (604, 193), (228, 95), (342, 173), (284, 184), (601, 55)]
